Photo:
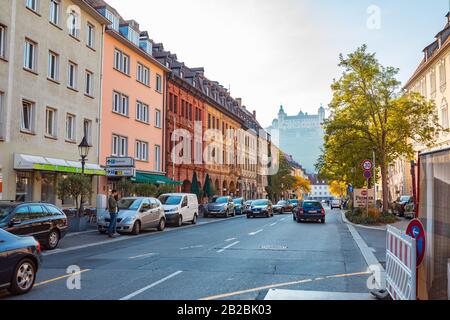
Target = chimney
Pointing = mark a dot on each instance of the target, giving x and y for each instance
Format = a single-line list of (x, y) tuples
[(239, 101), (254, 114)]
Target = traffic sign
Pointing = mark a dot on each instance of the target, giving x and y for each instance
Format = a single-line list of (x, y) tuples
[(113, 162), (367, 165), (120, 172), (367, 174), (416, 230)]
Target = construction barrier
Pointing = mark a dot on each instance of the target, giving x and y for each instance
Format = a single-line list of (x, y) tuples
[(401, 265)]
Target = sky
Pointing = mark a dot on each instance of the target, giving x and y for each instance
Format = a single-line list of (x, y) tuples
[(286, 52)]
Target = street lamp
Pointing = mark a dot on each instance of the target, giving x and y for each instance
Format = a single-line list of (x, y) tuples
[(83, 150)]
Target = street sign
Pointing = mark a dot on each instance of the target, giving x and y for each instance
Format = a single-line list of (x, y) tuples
[(367, 174), (367, 165), (120, 162), (120, 172), (361, 196), (416, 230)]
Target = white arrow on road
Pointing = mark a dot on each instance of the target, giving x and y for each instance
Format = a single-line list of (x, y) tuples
[(256, 232)]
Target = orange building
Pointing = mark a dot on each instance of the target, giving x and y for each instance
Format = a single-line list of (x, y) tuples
[(133, 101)]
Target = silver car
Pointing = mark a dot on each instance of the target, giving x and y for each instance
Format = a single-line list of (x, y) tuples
[(135, 214)]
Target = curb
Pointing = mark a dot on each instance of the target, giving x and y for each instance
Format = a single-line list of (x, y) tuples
[(344, 218), (125, 238)]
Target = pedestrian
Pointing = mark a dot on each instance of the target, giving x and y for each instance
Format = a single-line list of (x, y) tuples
[(113, 209)]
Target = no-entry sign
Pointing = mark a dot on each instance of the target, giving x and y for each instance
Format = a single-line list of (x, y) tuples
[(416, 230)]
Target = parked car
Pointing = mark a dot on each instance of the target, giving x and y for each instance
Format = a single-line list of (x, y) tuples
[(45, 222), (20, 258), (401, 203), (239, 206), (336, 204), (294, 203), (247, 206), (180, 208), (220, 206), (135, 214), (260, 208), (283, 206), (310, 211)]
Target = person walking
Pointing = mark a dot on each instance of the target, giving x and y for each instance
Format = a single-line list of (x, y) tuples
[(113, 209)]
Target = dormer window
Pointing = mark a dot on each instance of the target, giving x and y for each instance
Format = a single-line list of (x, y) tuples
[(181, 74), (131, 34), (111, 17), (146, 45)]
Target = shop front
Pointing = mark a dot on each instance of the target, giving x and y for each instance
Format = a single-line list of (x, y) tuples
[(37, 178)]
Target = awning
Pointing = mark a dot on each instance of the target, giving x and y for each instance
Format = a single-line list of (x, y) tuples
[(142, 177), (28, 162)]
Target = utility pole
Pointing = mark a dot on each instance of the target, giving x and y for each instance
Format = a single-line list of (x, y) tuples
[(374, 178)]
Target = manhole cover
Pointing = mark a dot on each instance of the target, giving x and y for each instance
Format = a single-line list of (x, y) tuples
[(274, 247)]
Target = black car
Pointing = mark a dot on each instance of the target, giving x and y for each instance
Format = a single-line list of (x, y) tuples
[(239, 206), (19, 262), (310, 211), (47, 223), (260, 208)]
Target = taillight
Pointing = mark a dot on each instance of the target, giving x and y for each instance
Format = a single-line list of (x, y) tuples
[(38, 247), (301, 211), (323, 211)]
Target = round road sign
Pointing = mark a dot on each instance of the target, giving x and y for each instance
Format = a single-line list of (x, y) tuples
[(367, 165), (367, 174), (416, 230)]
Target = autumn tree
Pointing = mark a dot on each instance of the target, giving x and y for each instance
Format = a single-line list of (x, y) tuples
[(369, 111)]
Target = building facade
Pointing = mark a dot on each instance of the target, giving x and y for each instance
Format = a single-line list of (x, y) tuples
[(320, 189), (301, 136), (50, 92), (133, 104)]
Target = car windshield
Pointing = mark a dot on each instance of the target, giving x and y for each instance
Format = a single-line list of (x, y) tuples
[(294, 201), (5, 211), (221, 200), (237, 201), (129, 204), (260, 203), (281, 203), (311, 204), (170, 200), (404, 199)]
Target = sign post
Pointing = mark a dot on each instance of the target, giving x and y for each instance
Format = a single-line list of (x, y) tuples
[(367, 166)]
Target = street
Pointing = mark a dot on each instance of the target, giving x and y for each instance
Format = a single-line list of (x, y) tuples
[(238, 258)]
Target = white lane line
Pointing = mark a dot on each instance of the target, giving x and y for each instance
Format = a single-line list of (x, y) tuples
[(274, 224), (256, 232), (228, 247), (154, 284), (192, 247), (143, 256), (231, 239)]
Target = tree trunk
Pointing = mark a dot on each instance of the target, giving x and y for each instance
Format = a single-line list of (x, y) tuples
[(384, 182)]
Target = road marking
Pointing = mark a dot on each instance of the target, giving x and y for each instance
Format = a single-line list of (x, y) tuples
[(192, 247), (143, 256), (228, 247), (61, 278), (231, 239), (274, 224), (154, 284), (256, 232), (277, 285)]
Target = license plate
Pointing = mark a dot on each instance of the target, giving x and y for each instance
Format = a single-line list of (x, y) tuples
[(313, 211)]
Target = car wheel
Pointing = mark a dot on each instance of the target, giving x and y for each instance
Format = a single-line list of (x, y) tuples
[(101, 231), (194, 220), (180, 221), (136, 228), (293, 216), (322, 221), (205, 215), (23, 278), (248, 217), (234, 213), (52, 240), (162, 224), (299, 220)]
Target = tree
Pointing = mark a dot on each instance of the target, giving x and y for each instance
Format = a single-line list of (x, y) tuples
[(370, 112), (126, 188), (302, 185), (338, 189), (195, 189), (282, 181), (207, 187), (75, 187), (145, 190)]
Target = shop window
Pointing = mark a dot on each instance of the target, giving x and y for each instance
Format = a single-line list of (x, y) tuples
[(48, 192), (24, 186)]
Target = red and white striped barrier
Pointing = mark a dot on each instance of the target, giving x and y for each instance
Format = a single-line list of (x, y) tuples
[(401, 265)]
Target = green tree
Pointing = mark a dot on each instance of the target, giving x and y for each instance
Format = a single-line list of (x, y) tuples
[(75, 187), (282, 181), (145, 190), (195, 189), (126, 188), (369, 111)]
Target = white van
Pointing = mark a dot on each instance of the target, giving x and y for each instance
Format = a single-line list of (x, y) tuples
[(180, 208)]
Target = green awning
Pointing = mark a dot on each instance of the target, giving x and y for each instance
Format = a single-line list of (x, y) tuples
[(142, 177)]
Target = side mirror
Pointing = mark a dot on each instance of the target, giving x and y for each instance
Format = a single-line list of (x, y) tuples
[(15, 222)]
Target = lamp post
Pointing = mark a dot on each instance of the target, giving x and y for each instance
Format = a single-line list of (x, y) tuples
[(83, 150)]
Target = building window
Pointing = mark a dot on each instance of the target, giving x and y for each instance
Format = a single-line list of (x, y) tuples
[(32, 5), (121, 61), (24, 186), (30, 55), (55, 11), (158, 83), (141, 152), (433, 81), (87, 130), (157, 158), (113, 18), (89, 82), (158, 118), (444, 114), (50, 122), (70, 127), (442, 75), (74, 24), (2, 41), (142, 112), (53, 66), (119, 146), (120, 103), (1, 115), (72, 75), (27, 117), (143, 74), (90, 35)]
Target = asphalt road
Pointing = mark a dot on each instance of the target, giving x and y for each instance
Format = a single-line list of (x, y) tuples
[(231, 259)]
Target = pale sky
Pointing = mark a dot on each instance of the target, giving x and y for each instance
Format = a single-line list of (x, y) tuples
[(273, 52)]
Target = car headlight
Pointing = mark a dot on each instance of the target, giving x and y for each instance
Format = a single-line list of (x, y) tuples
[(174, 210), (129, 219)]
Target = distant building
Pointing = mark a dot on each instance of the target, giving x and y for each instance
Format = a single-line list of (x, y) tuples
[(300, 135), (320, 189)]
